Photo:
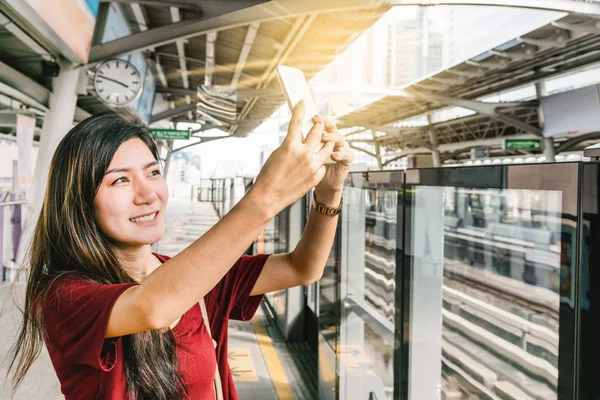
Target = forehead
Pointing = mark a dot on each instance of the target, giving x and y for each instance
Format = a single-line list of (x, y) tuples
[(131, 152)]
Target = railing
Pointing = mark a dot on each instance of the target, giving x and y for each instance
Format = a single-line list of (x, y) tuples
[(223, 193), (10, 234), (457, 282)]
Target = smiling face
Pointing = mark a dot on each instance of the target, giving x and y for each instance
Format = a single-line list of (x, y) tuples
[(131, 201)]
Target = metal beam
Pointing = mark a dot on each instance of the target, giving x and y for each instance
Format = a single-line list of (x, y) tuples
[(496, 143), (248, 41), (570, 6), (173, 112), (363, 150), (175, 17), (218, 17), (177, 91), (292, 38), (143, 25), (10, 26), (205, 127), (36, 94), (185, 4), (202, 140), (192, 71), (569, 144), (211, 39), (392, 130), (592, 28), (483, 108), (244, 94)]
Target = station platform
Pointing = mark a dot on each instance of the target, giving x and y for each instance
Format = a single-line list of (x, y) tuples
[(264, 366)]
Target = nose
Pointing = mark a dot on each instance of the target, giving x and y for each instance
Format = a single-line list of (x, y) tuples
[(144, 193)]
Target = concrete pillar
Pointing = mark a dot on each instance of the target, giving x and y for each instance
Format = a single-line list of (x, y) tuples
[(57, 122), (549, 149), (540, 91), (167, 164), (435, 154), (435, 142), (377, 150)]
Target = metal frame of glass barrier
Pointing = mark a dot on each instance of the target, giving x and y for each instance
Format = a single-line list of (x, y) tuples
[(329, 318), (526, 275), (370, 233), (589, 282)]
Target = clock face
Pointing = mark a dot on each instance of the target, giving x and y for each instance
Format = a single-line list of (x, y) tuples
[(117, 82)]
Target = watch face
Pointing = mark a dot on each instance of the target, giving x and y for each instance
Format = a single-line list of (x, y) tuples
[(117, 82)]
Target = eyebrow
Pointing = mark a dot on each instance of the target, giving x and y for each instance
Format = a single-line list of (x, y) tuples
[(111, 171)]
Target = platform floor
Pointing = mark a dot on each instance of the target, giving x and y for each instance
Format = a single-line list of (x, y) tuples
[(264, 366)]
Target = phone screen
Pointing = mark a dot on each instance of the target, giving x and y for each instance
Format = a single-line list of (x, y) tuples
[(296, 88)]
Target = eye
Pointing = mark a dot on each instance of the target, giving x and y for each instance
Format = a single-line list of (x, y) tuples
[(155, 172), (120, 180)]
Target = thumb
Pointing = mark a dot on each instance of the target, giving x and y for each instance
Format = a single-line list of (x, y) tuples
[(294, 133)]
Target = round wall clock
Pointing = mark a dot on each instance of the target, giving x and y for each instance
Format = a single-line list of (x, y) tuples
[(117, 82)]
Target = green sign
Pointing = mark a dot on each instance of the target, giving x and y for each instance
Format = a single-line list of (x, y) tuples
[(522, 144), (171, 134)]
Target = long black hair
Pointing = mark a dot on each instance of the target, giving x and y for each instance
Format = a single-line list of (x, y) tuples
[(68, 240)]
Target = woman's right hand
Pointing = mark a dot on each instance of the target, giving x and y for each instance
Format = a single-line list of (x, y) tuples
[(294, 168)]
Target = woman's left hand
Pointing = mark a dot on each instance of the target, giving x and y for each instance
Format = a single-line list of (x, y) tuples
[(335, 174)]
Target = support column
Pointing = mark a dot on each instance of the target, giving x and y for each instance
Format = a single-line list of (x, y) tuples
[(433, 139), (57, 122), (377, 150), (169, 148), (540, 91)]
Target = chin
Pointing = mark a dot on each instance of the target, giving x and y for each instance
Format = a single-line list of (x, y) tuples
[(146, 238)]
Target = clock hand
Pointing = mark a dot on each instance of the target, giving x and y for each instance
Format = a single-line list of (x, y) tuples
[(114, 80)]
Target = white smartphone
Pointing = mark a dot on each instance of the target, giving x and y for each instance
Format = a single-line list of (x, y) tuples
[(295, 88)]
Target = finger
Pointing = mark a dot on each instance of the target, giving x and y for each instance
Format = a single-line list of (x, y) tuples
[(345, 156), (330, 126), (294, 134), (314, 137), (323, 155), (336, 137)]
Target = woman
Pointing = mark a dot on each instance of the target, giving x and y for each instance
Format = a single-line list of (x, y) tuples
[(122, 322)]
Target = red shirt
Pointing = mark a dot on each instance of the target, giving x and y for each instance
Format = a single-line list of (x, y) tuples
[(91, 367)]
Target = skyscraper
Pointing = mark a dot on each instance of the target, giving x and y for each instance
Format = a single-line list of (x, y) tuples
[(415, 47)]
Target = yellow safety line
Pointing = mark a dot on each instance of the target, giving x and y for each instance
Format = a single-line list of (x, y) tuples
[(280, 381)]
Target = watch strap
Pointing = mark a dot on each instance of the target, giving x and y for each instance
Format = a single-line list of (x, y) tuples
[(326, 209)]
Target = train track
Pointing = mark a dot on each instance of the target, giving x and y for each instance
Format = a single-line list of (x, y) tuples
[(519, 294)]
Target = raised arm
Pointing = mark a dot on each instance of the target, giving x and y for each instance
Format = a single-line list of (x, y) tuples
[(305, 264), (176, 285)]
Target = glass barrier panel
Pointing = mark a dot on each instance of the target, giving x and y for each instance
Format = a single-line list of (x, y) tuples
[(328, 325), (280, 244), (368, 288), (490, 261), (589, 283)]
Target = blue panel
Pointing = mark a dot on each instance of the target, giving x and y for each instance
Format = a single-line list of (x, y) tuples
[(93, 6), (147, 98), (116, 24), (138, 61)]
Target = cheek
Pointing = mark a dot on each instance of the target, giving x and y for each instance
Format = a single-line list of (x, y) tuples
[(109, 210), (162, 191)]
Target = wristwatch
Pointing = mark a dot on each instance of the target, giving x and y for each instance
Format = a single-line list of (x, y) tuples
[(326, 209)]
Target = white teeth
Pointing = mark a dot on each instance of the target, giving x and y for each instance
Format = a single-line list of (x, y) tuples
[(144, 219)]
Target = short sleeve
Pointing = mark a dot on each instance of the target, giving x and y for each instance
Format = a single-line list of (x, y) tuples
[(76, 313), (232, 293)]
